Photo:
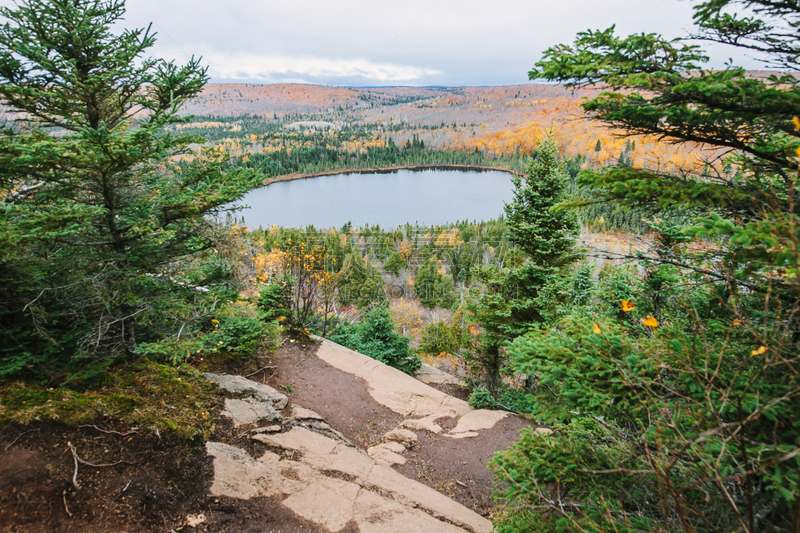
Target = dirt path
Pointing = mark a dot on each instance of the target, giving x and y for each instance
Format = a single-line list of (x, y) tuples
[(150, 483), (339, 397), (455, 467)]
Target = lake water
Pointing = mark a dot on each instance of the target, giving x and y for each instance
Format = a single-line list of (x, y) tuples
[(389, 199)]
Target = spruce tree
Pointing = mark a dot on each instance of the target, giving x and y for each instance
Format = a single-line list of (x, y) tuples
[(517, 299), (95, 207), (543, 232), (394, 264), (425, 282)]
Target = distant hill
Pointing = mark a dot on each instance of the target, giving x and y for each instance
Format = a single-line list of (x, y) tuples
[(494, 120)]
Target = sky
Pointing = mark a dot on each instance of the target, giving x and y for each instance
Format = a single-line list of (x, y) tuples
[(386, 43)]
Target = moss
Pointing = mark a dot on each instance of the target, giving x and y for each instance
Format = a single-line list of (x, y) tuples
[(175, 400)]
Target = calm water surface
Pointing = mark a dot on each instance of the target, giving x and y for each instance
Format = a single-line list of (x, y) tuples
[(389, 199)]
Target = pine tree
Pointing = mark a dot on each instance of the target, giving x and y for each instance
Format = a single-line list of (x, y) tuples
[(546, 234), (395, 263), (94, 207), (425, 282)]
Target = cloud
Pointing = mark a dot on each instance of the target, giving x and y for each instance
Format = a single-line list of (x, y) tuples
[(278, 68)]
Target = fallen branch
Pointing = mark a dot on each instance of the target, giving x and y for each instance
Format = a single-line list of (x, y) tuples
[(64, 497), (123, 490), (87, 463), (10, 444), (131, 432), (260, 370)]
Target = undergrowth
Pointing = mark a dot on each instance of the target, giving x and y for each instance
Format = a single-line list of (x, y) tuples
[(172, 400)]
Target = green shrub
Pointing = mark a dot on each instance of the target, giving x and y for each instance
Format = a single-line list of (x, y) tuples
[(171, 350), (482, 399), (274, 303), (517, 400), (374, 336), (540, 468), (439, 337), (237, 333)]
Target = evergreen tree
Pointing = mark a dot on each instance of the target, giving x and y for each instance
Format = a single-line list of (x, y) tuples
[(94, 209), (335, 251), (686, 423), (520, 297), (425, 282), (394, 264), (545, 233), (375, 337), (445, 291), (362, 283)]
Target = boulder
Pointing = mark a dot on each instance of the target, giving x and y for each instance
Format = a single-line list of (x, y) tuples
[(405, 437), (249, 411), (240, 385), (301, 413)]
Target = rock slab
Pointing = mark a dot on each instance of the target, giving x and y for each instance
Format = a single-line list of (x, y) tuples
[(334, 485), (241, 385), (249, 411)]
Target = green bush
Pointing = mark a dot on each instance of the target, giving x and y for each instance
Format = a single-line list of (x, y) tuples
[(374, 336), (439, 337), (517, 400), (172, 350), (239, 334), (540, 468), (482, 399), (274, 303)]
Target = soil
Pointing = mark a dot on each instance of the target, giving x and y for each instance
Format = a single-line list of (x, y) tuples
[(457, 467), (456, 391), (143, 481), (454, 467), (341, 398), (153, 484)]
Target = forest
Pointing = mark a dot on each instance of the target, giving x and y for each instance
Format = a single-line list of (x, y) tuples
[(639, 295)]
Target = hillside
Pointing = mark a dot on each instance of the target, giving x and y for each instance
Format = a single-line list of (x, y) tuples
[(497, 121), (356, 446)]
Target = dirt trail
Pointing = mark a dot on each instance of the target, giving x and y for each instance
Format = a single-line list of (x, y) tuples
[(453, 466), (375, 433)]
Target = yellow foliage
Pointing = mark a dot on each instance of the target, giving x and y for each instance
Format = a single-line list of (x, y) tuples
[(404, 249), (758, 351), (650, 322)]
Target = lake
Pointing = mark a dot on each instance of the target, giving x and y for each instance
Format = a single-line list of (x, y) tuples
[(389, 199)]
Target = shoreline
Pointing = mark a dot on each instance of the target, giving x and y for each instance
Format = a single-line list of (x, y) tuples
[(292, 177)]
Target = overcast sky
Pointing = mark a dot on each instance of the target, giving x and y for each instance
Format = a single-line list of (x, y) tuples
[(374, 42)]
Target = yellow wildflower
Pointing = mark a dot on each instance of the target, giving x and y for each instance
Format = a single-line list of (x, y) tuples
[(759, 351), (650, 322)]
